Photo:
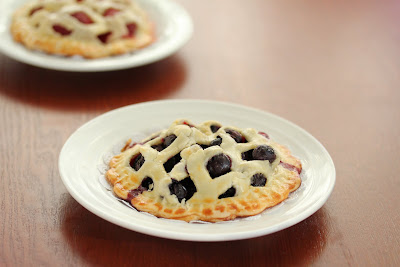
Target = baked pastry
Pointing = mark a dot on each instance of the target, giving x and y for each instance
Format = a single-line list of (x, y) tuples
[(205, 172), (89, 28)]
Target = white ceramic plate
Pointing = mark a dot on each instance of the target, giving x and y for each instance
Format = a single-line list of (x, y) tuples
[(85, 150), (173, 25)]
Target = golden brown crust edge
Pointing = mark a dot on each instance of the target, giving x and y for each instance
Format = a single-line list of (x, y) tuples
[(217, 213), (208, 211)]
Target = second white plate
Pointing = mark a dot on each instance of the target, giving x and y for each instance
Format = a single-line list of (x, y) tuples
[(173, 25), (86, 149)]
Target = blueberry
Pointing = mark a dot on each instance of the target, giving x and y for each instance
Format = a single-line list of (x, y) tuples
[(158, 147), (137, 162), (183, 189), (204, 146), (219, 165), (169, 140), (178, 190), (247, 155), (216, 142), (264, 152), (258, 179), (214, 128), (190, 187), (171, 162), (228, 193), (146, 183), (238, 137)]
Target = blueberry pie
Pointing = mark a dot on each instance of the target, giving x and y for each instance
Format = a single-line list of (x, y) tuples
[(205, 172), (89, 28)]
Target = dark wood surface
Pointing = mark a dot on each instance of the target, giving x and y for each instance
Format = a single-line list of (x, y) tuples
[(332, 67)]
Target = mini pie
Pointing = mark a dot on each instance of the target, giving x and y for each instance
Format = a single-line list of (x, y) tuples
[(206, 172), (89, 28)]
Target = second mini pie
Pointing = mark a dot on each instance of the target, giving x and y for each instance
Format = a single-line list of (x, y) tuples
[(88, 28)]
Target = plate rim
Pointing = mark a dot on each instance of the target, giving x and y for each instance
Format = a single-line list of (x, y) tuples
[(204, 237), (167, 48)]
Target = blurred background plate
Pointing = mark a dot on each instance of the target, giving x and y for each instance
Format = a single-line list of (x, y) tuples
[(173, 29)]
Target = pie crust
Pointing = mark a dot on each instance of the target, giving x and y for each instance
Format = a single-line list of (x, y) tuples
[(195, 186), (89, 28)]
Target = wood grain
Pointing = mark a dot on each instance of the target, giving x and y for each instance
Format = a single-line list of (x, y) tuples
[(332, 67)]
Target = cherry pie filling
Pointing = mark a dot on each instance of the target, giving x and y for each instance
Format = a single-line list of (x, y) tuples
[(82, 17), (90, 28)]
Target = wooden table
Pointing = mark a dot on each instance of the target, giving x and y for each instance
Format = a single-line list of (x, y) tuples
[(332, 67)]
